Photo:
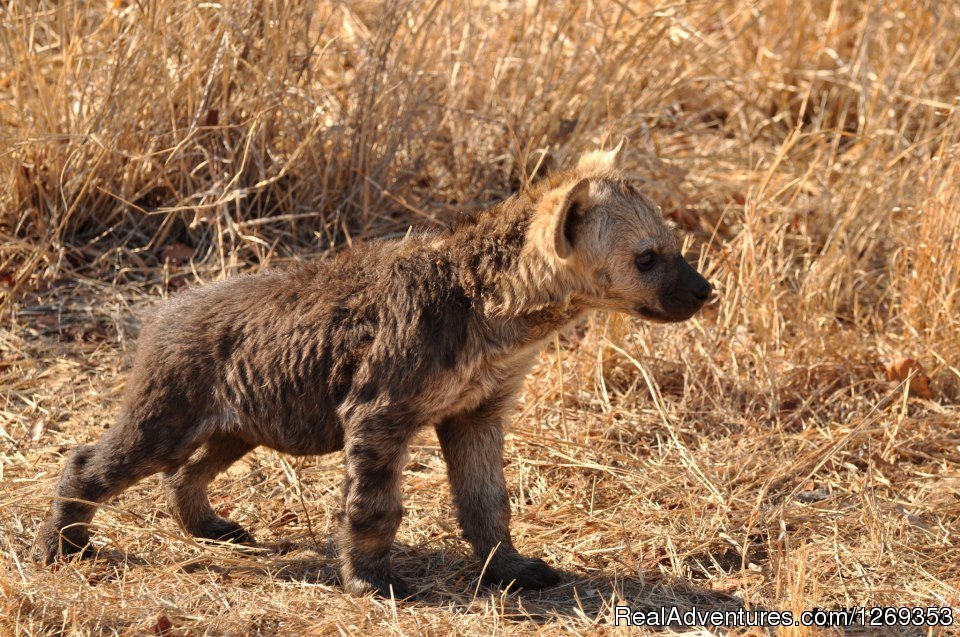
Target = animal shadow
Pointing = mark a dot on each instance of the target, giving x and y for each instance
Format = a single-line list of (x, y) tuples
[(449, 578)]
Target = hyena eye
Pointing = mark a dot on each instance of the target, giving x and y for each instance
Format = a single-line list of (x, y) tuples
[(645, 260)]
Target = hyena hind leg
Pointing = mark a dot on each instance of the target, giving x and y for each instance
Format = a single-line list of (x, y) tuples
[(95, 473), (186, 491)]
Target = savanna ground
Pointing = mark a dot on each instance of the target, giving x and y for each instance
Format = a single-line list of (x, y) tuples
[(757, 456)]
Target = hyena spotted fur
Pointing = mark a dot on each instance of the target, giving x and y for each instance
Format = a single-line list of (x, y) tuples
[(359, 350)]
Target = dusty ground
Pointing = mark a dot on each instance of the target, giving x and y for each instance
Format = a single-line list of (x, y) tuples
[(757, 457)]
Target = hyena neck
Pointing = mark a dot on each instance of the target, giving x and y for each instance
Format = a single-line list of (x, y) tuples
[(520, 293)]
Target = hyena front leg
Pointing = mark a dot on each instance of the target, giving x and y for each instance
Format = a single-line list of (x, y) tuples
[(374, 454), (472, 445)]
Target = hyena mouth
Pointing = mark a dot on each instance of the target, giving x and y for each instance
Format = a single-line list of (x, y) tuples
[(657, 316), (651, 314)]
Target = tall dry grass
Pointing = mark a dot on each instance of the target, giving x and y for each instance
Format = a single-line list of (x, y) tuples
[(756, 455)]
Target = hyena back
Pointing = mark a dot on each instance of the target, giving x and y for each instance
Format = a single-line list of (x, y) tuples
[(361, 349)]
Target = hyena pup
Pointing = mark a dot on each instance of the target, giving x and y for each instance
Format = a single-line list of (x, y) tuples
[(359, 350)]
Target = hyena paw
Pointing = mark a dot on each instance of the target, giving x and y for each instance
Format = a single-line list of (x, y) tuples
[(384, 584), (224, 530), (518, 572), (55, 543)]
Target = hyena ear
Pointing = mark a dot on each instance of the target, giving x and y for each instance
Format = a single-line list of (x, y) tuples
[(565, 215), (602, 160)]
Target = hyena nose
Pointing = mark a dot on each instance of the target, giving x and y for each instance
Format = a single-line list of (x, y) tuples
[(702, 290), (692, 281)]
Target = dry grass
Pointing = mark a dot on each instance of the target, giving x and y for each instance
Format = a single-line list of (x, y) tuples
[(755, 456)]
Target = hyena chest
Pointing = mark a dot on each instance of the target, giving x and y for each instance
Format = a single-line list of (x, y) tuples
[(492, 378)]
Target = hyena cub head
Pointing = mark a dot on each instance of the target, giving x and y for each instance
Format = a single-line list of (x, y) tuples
[(612, 244)]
